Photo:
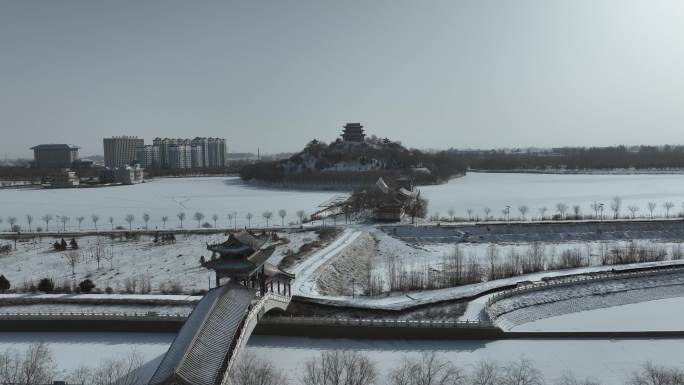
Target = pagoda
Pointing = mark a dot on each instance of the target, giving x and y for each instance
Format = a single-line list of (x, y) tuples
[(242, 258), (353, 132)]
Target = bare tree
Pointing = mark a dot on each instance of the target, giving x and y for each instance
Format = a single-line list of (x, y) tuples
[(214, 218), (651, 374), (95, 218), (129, 218), (79, 220), (470, 214), (484, 373), (577, 210), (164, 219), (595, 206), (108, 255), (542, 212), (339, 368), (181, 217), (267, 215), (47, 218), (29, 220), (35, 366), (429, 369), (451, 213), (198, 216), (111, 222), (98, 251), (561, 208), (668, 206), (72, 258), (230, 217), (487, 210), (249, 216), (64, 219), (507, 213), (651, 207), (250, 370), (615, 206), (301, 214), (521, 373), (122, 371), (282, 213), (146, 219), (523, 211), (12, 221), (633, 209)]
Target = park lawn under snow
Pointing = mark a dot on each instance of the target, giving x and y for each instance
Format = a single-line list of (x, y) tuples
[(163, 264)]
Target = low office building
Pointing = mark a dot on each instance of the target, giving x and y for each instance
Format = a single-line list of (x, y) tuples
[(54, 155)]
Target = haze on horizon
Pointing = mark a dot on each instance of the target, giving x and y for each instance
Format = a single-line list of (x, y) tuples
[(275, 74)]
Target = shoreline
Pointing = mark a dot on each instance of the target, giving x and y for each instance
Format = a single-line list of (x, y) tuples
[(616, 171)]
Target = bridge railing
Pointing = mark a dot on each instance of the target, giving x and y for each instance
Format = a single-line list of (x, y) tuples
[(152, 316), (571, 281), (370, 322)]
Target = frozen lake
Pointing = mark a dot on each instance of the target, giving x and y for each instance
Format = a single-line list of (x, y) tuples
[(658, 315), (223, 195), (72, 350), (608, 361), (496, 191)]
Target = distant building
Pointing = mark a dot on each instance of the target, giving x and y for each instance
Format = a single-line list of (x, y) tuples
[(123, 175), (353, 132), (65, 179), (120, 151), (54, 155), (179, 153), (148, 156)]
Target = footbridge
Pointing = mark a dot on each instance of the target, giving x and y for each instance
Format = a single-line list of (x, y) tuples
[(216, 331)]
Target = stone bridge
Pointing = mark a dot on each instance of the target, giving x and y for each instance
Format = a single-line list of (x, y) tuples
[(211, 339)]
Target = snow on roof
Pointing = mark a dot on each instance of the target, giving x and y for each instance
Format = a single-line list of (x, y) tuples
[(197, 354)]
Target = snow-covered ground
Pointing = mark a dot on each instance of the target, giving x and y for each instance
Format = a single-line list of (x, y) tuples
[(608, 361), (88, 308), (72, 350), (656, 315), (141, 259)]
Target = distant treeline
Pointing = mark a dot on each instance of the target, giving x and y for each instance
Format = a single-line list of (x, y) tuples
[(575, 158)]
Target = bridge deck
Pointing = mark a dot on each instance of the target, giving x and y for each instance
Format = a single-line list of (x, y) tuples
[(199, 352)]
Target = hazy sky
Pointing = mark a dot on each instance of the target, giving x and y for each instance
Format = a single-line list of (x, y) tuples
[(274, 74)]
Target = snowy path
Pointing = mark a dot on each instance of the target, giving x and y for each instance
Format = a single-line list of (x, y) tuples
[(305, 281)]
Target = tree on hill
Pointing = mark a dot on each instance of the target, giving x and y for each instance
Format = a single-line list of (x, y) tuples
[(46, 285), (86, 286)]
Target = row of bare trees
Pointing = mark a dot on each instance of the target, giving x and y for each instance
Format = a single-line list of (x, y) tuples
[(130, 219), (36, 366), (563, 211), (455, 269), (354, 368)]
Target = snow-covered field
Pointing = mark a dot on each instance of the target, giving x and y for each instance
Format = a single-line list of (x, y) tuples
[(72, 350), (161, 264), (657, 315), (608, 361)]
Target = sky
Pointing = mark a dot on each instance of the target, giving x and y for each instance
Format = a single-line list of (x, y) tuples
[(275, 74)]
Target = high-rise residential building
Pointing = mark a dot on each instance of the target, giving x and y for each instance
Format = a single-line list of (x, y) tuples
[(120, 151), (197, 153), (54, 155), (180, 154), (148, 156)]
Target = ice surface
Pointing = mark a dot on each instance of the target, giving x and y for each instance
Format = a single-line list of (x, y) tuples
[(609, 361)]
